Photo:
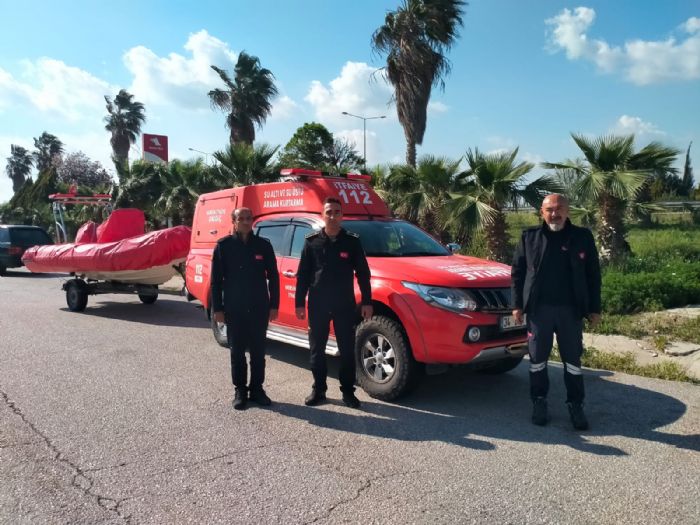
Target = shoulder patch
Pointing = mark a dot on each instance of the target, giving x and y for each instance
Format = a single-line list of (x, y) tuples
[(353, 234), (312, 234), (224, 239)]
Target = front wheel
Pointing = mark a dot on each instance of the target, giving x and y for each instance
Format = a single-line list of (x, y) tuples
[(386, 368), (219, 330), (76, 295)]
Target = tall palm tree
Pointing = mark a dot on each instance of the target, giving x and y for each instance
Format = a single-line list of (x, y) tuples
[(611, 176), (124, 119), (243, 164), (418, 194), (47, 147), (415, 39), (18, 167), (481, 193), (247, 98)]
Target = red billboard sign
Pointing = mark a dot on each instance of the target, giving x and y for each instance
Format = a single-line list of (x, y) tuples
[(155, 148)]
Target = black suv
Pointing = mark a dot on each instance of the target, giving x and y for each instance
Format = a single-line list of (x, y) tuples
[(14, 239)]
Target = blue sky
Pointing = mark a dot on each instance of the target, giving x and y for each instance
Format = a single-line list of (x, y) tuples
[(523, 73)]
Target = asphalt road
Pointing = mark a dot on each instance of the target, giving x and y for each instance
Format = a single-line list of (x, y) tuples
[(122, 414)]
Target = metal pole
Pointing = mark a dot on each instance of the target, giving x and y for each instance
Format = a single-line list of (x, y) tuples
[(364, 146)]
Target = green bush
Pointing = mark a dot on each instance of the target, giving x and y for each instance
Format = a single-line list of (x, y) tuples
[(675, 284)]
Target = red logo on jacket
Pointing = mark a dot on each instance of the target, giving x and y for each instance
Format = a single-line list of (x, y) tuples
[(258, 257), (582, 255), (344, 255)]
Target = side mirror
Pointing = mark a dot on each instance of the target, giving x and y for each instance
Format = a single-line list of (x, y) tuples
[(453, 247)]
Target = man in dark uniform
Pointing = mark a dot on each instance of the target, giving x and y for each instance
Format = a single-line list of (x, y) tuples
[(330, 260), (245, 295), (556, 282)]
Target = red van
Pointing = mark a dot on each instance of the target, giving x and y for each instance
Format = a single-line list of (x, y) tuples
[(431, 306)]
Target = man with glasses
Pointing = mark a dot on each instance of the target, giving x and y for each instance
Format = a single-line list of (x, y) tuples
[(556, 282), (245, 295)]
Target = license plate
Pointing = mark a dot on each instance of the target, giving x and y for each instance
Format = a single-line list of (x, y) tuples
[(508, 322)]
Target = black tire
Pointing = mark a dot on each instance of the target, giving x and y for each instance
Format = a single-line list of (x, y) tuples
[(386, 368), (3, 270), (501, 366), (76, 295), (149, 298), (219, 330)]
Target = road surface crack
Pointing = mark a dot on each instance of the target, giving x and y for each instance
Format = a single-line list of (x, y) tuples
[(80, 480), (364, 486)]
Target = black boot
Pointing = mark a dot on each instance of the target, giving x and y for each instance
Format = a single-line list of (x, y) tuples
[(539, 411), (350, 400), (316, 397), (578, 418), (258, 395), (240, 399)]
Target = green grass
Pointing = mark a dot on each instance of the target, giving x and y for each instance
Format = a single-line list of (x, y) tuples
[(674, 328), (627, 363)]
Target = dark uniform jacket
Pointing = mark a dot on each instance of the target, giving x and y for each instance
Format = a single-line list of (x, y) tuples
[(585, 268), (327, 270), (244, 275)]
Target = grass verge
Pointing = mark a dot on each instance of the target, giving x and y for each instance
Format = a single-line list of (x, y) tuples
[(594, 358), (671, 327)]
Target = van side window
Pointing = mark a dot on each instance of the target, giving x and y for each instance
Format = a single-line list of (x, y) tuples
[(300, 232), (274, 234)]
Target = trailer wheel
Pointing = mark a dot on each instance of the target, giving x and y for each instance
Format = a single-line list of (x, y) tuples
[(386, 368), (219, 330), (149, 298), (76, 295), (3, 270)]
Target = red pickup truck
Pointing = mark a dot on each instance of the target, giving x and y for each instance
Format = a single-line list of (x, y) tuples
[(431, 306)]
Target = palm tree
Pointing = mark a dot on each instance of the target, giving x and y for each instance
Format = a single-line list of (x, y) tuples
[(481, 193), (244, 164), (124, 119), (246, 99), (18, 167), (611, 176), (181, 183), (47, 147), (418, 194), (415, 38)]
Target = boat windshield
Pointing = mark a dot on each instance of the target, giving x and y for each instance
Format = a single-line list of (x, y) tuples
[(394, 239)]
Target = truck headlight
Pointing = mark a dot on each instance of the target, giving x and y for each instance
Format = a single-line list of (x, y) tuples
[(452, 299)]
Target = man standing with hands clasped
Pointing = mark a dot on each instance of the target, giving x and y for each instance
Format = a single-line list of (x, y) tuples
[(330, 259), (556, 282), (245, 295)]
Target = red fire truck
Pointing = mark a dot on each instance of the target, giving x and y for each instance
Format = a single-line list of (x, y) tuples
[(431, 306)]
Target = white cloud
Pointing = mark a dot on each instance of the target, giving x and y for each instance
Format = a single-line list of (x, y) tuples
[(52, 86), (355, 136), (176, 79), (627, 125), (283, 108), (642, 62), (437, 107), (357, 90)]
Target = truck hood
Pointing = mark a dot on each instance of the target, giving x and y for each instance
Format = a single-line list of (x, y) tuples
[(454, 271)]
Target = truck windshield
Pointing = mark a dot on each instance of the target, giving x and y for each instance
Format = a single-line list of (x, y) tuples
[(394, 239)]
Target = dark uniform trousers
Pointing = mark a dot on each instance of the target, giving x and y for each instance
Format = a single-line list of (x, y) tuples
[(543, 322), (344, 319), (246, 330)]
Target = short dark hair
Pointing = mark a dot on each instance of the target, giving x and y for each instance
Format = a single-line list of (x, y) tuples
[(332, 200)]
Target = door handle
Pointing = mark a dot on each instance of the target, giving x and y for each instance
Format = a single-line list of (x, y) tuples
[(213, 232), (289, 273)]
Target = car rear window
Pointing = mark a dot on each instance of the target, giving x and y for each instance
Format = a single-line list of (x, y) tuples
[(28, 236)]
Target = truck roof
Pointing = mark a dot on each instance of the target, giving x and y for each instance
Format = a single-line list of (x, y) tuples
[(304, 191)]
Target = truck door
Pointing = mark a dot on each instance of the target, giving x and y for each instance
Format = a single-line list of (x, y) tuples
[(288, 277)]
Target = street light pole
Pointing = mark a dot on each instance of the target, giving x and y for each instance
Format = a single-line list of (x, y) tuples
[(364, 134), (206, 155)]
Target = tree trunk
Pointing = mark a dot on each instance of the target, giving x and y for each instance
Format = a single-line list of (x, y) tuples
[(411, 153), (120, 149), (497, 238), (611, 229)]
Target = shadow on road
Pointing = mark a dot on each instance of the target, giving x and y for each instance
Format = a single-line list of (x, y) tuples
[(22, 273), (166, 311), (466, 409)]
